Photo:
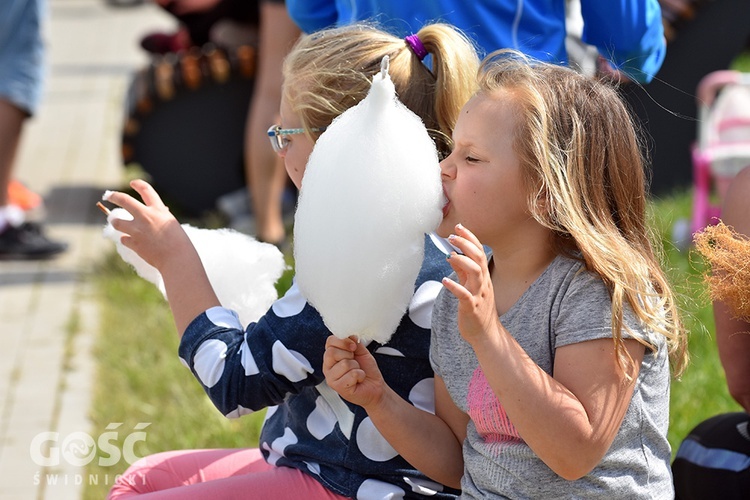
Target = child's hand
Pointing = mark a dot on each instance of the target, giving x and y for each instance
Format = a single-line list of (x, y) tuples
[(477, 312), (154, 233), (352, 371)]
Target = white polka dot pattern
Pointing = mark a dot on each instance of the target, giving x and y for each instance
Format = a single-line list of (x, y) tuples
[(291, 304), (247, 360), (321, 420), (290, 364), (283, 350), (273, 456), (209, 361), (238, 412), (422, 395), (420, 307), (344, 416), (372, 489), (423, 486), (224, 318), (441, 243), (389, 351), (269, 412), (279, 445), (372, 444)]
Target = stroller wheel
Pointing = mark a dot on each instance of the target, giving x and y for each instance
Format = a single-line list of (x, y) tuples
[(682, 236)]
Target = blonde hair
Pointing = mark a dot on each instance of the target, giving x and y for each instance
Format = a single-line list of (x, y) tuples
[(329, 71), (586, 182)]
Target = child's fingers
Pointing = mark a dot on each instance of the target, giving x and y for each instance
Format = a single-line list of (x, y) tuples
[(347, 344), (459, 291), (464, 264), (334, 355), (126, 240), (467, 235), (341, 370), (469, 245), (125, 201), (470, 273), (149, 195), (337, 350), (120, 225), (345, 373)]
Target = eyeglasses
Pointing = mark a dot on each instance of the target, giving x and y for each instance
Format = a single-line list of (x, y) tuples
[(279, 141)]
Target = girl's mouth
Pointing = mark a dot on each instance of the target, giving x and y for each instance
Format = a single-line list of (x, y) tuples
[(447, 205)]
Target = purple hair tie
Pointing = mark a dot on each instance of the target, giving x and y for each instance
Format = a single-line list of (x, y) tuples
[(416, 45)]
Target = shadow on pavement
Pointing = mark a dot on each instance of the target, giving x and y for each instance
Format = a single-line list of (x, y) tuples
[(75, 205)]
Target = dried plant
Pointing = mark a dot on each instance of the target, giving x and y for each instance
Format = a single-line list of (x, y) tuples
[(728, 254)]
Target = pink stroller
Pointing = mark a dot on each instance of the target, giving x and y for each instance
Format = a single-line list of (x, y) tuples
[(722, 148)]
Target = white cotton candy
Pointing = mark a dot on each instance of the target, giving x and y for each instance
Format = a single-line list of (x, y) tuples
[(242, 271), (370, 192), (142, 268)]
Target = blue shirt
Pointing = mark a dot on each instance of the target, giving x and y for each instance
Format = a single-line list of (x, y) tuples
[(277, 363), (628, 33)]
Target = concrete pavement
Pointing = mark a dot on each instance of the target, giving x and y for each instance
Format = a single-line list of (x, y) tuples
[(70, 153)]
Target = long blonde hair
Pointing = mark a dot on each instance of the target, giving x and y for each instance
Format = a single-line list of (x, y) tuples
[(587, 183), (329, 71)]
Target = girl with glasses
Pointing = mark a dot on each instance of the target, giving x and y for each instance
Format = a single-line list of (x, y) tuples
[(552, 356), (312, 444)]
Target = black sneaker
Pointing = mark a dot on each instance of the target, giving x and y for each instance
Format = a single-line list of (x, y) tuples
[(27, 241)]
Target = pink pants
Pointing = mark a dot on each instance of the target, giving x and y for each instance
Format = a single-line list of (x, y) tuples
[(215, 474)]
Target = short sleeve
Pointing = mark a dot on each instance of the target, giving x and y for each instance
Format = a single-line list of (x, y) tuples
[(585, 313)]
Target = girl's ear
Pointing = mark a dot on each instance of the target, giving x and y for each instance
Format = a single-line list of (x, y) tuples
[(537, 194), (539, 202)]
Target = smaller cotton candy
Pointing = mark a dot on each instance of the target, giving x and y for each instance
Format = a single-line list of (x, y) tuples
[(142, 268), (242, 271), (370, 192)]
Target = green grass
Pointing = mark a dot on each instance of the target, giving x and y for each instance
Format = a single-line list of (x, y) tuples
[(140, 379), (742, 62), (701, 391)]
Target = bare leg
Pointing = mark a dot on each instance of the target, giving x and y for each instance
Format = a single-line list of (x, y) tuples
[(264, 169), (11, 125), (18, 240)]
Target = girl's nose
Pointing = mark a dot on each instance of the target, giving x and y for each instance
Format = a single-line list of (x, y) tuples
[(447, 168)]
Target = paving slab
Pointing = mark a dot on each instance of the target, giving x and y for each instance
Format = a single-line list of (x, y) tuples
[(69, 153)]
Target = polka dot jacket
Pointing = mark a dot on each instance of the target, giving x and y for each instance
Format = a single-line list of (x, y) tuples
[(277, 363)]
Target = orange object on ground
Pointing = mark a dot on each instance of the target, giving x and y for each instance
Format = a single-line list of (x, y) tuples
[(21, 196)]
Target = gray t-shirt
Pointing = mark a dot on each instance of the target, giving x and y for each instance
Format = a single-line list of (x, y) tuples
[(565, 305)]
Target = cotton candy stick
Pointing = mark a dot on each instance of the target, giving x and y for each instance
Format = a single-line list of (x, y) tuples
[(242, 270), (370, 192)]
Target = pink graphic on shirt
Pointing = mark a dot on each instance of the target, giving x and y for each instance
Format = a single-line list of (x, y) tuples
[(487, 413)]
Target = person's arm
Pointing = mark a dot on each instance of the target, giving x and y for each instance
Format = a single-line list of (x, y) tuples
[(733, 341), (159, 239), (430, 443), (312, 15), (568, 419), (241, 369), (628, 33), (733, 334), (247, 370), (264, 169)]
